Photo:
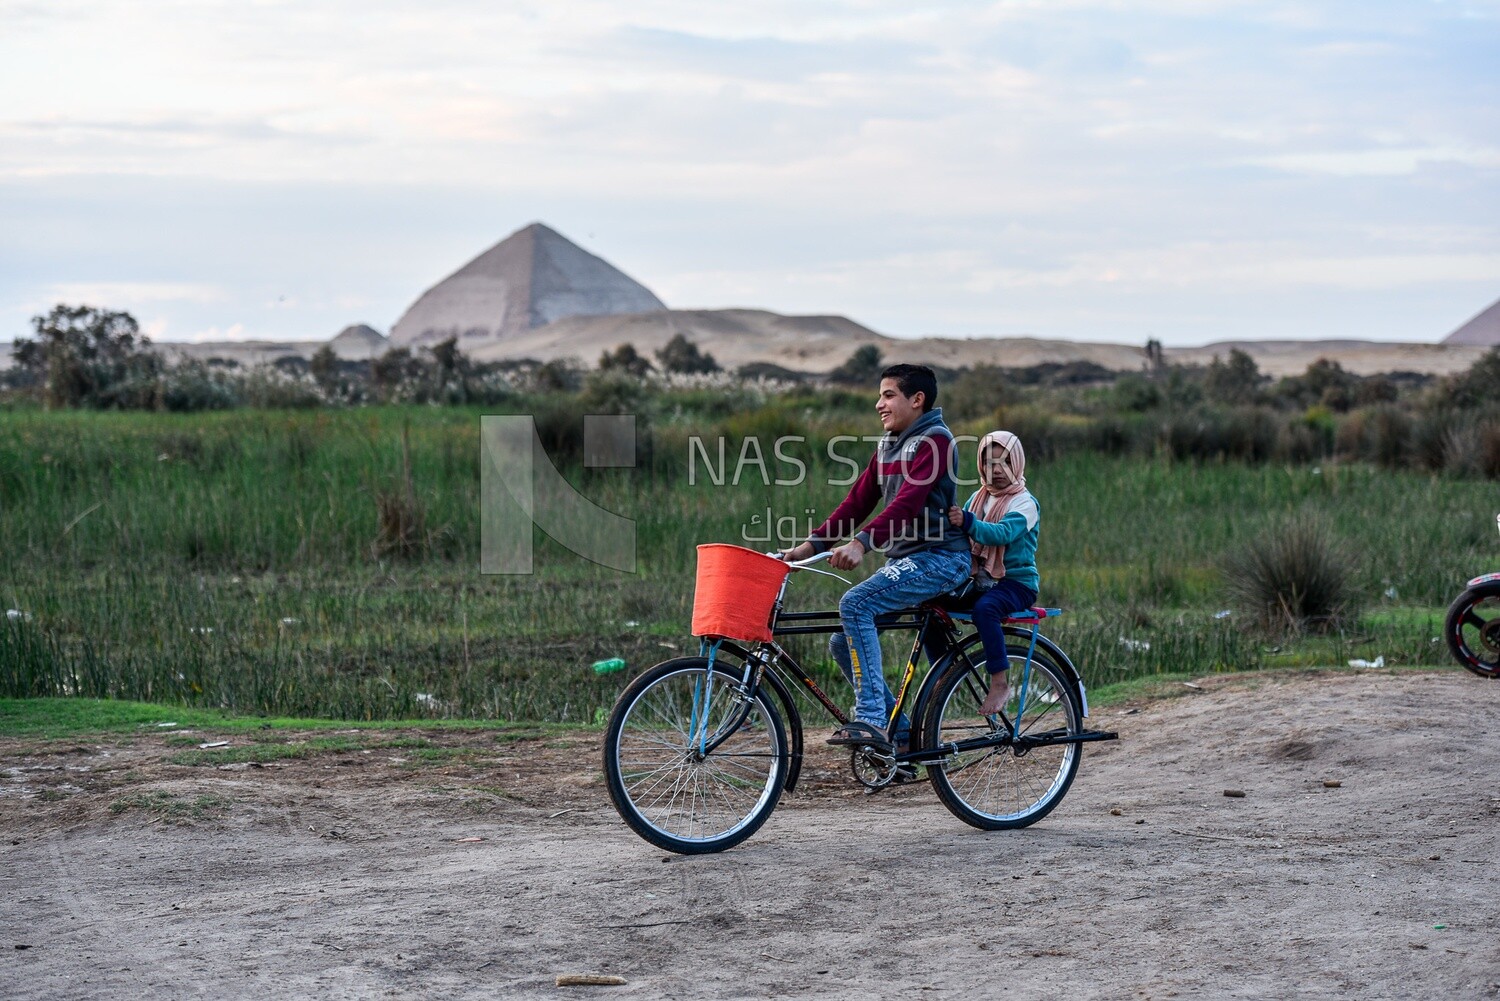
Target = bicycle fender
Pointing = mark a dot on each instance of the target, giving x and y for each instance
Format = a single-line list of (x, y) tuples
[(1020, 634), (793, 725), (1487, 578), (1053, 650)]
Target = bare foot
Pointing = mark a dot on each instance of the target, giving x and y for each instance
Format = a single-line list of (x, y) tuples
[(997, 696)]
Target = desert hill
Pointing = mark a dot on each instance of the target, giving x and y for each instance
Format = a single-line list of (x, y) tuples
[(819, 343)]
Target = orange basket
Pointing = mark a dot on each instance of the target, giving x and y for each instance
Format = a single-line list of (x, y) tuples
[(736, 592)]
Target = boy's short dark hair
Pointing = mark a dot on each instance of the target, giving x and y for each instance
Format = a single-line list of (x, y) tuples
[(914, 379)]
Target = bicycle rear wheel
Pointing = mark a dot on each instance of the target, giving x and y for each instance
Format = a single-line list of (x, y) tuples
[(995, 787), (692, 762)]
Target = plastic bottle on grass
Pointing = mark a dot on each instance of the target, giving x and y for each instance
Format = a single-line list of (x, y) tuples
[(609, 666)]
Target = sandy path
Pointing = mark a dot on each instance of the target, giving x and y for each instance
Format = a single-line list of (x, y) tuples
[(345, 879)]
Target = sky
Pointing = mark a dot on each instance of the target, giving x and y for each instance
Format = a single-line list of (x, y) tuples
[(1184, 170)]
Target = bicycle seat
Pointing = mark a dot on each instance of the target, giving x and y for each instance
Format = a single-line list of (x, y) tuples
[(959, 604)]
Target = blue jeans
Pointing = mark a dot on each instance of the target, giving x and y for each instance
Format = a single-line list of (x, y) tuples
[(901, 583)]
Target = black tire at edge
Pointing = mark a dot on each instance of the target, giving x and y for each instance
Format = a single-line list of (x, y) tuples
[(1453, 621)]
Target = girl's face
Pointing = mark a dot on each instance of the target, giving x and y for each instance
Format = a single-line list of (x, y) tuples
[(996, 472)]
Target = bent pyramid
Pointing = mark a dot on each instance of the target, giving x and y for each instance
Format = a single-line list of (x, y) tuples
[(1483, 329), (527, 280)]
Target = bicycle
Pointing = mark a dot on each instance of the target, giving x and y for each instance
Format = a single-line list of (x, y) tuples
[(1472, 626), (699, 750)]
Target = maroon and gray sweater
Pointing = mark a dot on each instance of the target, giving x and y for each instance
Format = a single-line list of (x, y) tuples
[(912, 473)]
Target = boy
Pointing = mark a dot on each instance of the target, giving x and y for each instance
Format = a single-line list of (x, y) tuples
[(911, 474)]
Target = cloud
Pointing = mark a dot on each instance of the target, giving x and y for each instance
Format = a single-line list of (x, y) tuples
[(1379, 162), (124, 295)]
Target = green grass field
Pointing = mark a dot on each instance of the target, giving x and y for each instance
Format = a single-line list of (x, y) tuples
[(235, 561)]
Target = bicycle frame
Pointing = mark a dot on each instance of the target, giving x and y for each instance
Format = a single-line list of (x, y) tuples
[(768, 661)]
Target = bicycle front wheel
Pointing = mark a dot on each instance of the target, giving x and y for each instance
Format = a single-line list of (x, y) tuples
[(1002, 786), (694, 764)]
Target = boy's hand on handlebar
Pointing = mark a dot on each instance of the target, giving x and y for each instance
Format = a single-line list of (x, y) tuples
[(847, 556), (801, 551), (956, 516)]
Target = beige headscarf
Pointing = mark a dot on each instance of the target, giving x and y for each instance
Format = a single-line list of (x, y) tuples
[(995, 498)]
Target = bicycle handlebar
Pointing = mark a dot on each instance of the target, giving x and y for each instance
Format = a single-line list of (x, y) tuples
[(807, 564)]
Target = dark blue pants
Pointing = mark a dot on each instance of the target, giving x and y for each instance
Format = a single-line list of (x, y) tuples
[(1004, 599)]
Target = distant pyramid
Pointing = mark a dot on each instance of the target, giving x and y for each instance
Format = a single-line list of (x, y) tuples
[(527, 280), (359, 342), (1483, 329)]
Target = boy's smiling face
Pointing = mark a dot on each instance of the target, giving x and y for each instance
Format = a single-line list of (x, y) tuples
[(897, 412)]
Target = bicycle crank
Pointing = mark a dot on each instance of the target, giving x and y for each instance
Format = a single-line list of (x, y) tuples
[(875, 769)]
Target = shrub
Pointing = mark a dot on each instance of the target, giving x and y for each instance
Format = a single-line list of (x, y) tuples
[(682, 355), (1199, 434), (1041, 434), (1250, 434), (1479, 385), (626, 359), (1293, 577), (399, 515), (974, 393), (611, 391), (559, 375), (1135, 393), (1381, 434), (1489, 450), (192, 385), (1325, 382), (862, 367), (1236, 381), (1304, 441)]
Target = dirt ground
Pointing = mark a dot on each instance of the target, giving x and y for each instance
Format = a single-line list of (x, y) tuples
[(462, 865)]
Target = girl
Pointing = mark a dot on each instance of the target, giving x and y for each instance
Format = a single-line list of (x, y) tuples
[(1001, 521)]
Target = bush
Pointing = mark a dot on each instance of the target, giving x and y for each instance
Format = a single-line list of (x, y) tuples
[(862, 367), (975, 393), (1292, 578), (626, 359), (1381, 434), (1479, 385), (612, 391), (682, 355), (1251, 434), (192, 386), (1236, 381), (1136, 394), (1199, 435)]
